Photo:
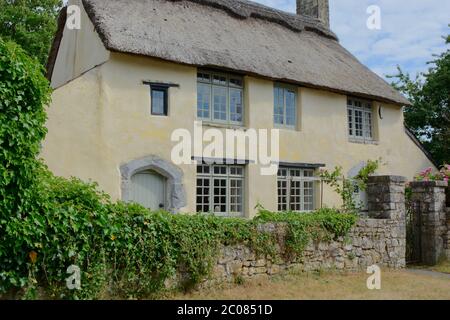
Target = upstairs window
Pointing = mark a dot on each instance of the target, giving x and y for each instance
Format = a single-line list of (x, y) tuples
[(159, 97), (285, 106), (220, 98), (360, 117)]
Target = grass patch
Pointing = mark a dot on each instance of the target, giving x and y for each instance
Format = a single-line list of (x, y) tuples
[(443, 266), (400, 285)]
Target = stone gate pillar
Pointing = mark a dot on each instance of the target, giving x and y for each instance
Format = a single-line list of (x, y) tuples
[(428, 201), (386, 200), (386, 197)]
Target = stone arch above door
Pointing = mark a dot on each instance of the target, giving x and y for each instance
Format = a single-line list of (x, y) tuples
[(176, 195)]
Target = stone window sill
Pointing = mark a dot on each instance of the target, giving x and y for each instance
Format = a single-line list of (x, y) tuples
[(361, 141), (224, 125)]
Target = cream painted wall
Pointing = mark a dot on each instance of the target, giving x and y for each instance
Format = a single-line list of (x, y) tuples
[(79, 51), (102, 120)]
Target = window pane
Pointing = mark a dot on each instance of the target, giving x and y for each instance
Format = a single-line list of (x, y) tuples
[(220, 170), (203, 195), (236, 171), (308, 173), (282, 172), (220, 103), (295, 172), (204, 77), (158, 97), (350, 122), (203, 100), (220, 196), (290, 108), (218, 79), (203, 169), (308, 196), (367, 124), (358, 123), (236, 199), (236, 82), (236, 105), (282, 195), (278, 111), (295, 196)]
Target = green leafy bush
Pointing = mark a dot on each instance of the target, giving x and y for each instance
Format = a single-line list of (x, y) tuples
[(24, 92)]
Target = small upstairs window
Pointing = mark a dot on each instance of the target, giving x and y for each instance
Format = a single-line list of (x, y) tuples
[(220, 97), (159, 97), (285, 106), (360, 119)]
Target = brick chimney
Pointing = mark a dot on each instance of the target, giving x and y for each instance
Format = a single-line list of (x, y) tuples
[(319, 9)]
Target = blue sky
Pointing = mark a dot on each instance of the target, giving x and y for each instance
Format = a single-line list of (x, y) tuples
[(411, 31)]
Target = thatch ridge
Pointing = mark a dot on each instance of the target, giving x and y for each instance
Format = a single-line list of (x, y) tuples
[(247, 9)]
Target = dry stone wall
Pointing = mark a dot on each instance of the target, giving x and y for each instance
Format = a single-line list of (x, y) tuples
[(380, 239), (371, 241)]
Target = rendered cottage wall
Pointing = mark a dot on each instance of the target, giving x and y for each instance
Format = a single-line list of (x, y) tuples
[(101, 121)]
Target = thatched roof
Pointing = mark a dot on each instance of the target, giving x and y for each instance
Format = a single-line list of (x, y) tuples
[(237, 35)]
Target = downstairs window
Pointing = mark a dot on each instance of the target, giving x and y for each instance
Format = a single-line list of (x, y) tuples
[(220, 189), (296, 189)]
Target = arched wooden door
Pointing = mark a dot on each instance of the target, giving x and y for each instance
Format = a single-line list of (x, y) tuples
[(148, 188)]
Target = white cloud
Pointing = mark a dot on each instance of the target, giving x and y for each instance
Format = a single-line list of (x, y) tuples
[(411, 31)]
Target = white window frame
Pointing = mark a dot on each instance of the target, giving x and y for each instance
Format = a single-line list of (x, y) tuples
[(228, 176), (229, 86), (285, 88), (365, 108), (289, 179)]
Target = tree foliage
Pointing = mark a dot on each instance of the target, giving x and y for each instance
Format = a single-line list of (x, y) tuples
[(24, 93), (429, 116), (31, 24)]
